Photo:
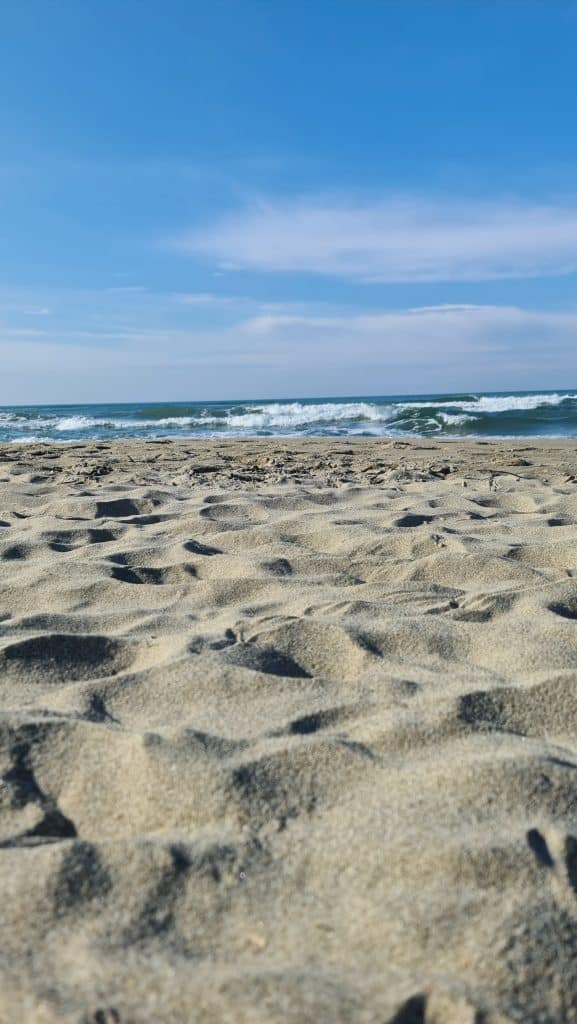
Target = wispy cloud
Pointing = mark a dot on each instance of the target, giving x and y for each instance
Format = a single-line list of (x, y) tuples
[(394, 240), (24, 310), (464, 319), (427, 339), (203, 299), (126, 288)]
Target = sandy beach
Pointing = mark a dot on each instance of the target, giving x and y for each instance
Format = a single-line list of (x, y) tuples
[(288, 732)]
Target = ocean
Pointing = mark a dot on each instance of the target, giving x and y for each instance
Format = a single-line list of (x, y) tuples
[(487, 414)]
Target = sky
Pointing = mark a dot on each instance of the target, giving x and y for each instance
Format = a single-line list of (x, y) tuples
[(217, 199)]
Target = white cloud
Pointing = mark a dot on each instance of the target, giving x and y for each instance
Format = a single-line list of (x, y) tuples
[(395, 240), (127, 288), (203, 299)]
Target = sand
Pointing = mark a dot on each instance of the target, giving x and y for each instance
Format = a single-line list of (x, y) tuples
[(288, 733)]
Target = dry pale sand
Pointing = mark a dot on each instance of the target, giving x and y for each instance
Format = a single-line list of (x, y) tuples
[(289, 733)]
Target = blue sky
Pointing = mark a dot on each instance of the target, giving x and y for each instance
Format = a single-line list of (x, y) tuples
[(263, 199)]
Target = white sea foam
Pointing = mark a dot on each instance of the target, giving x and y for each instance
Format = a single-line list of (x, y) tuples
[(509, 403), (78, 423), (455, 420), (33, 439), (23, 423), (297, 414), (167, 421)]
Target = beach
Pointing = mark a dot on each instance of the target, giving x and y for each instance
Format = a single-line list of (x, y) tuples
[(288, 731)]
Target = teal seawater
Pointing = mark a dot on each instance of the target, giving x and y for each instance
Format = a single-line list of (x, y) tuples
[(488, 414)]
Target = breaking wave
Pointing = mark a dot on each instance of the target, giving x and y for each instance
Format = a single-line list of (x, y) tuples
[(516, 414)]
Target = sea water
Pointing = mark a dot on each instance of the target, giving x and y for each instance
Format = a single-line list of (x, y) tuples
[(487, 414)]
